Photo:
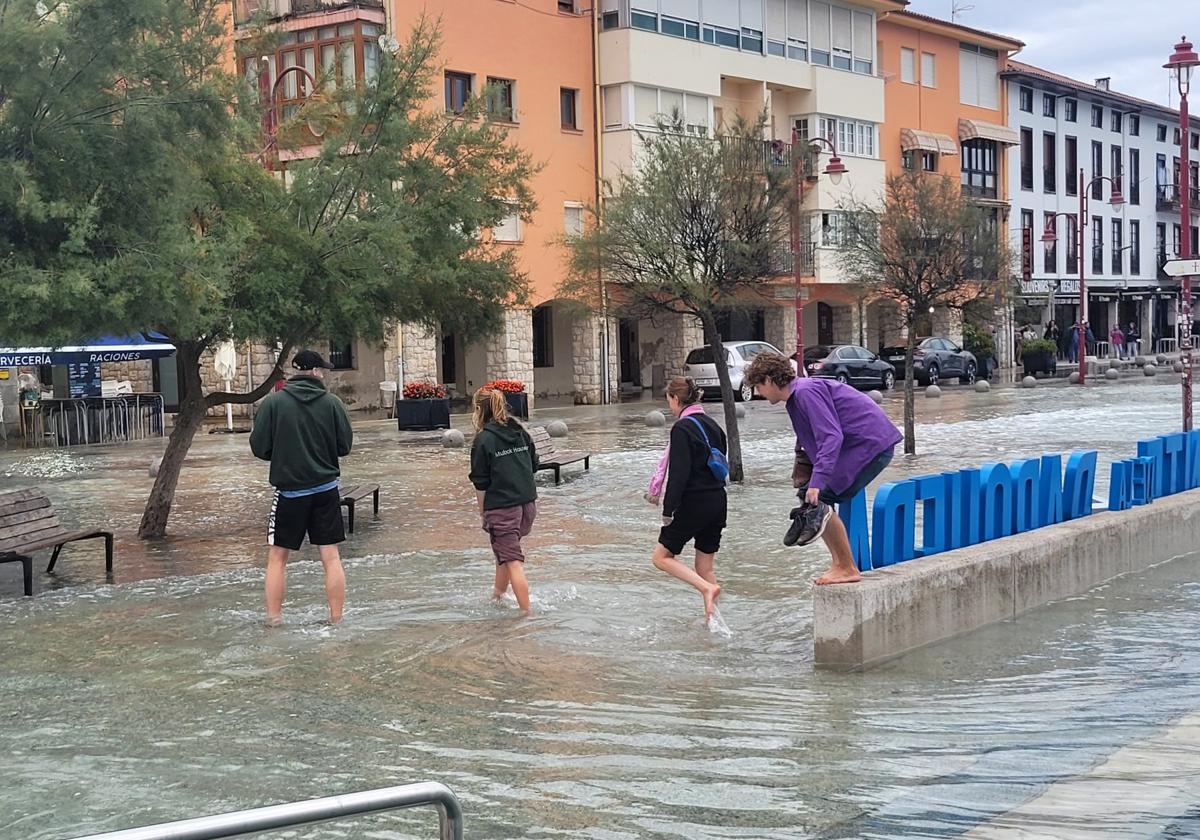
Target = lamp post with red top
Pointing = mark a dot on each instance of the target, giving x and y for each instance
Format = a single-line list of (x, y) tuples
[(1049, 237), (1181, 64), (835, 169)]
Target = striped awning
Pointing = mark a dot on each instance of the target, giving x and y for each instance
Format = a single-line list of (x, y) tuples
[(912, 139), (980, 130)]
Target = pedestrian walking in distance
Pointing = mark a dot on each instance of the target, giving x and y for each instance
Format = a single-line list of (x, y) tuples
[(694, 504), (303, 430), (503, 463), (848, 440)]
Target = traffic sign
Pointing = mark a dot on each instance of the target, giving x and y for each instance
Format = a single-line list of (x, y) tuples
[(1178, 268)]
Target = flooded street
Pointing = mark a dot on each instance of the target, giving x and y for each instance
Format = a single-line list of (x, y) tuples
[(611, 713)]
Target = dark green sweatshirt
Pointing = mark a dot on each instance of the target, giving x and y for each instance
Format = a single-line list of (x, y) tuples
[(503, 461), (302, 430)]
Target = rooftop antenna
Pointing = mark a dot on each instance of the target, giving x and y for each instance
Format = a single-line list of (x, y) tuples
[(957, 9)]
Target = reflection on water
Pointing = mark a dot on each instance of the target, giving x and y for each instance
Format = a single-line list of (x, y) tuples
[(612, 712)]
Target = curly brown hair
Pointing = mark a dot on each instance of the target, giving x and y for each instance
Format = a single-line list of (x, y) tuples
[(769, 366)]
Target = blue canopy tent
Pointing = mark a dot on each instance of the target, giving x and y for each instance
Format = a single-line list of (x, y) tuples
[(108, 349)]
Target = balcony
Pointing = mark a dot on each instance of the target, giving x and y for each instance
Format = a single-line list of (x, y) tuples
[(783, 261), (245, 10), (1166, 197), (769, 155)]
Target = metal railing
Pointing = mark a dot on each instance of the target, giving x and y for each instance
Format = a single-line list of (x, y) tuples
[(245, 10), (307, 812)]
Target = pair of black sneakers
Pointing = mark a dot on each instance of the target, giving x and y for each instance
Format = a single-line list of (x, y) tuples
[(808, 523)]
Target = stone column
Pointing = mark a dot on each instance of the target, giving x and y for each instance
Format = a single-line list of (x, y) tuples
[(418, 345), (587, 358), (681, 335), (947, 323), (846, 323), (780, 326), (1146, 327), (509, 353)]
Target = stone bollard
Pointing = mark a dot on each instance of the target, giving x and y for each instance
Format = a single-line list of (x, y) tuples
[(933, 391), (656, 419), (1150, 370), (453, 439), (1028, 382), (155, 466), (877, 396), (739, 410), (1112, 373), (1073, 378), (556, 429), (1140, 361), (1161, 359), (1113, 364), (1177, 367), (982, 386)]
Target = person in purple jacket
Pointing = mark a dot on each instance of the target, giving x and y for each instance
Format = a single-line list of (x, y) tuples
[(849, 441)]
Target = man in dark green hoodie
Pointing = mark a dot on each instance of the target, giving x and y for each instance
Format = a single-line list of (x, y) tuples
[(303, 430)]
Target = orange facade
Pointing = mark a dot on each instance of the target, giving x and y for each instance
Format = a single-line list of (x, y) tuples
[(543, 49), (924, 90)]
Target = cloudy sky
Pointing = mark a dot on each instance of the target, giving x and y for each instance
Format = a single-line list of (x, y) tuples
[(1085, 39)]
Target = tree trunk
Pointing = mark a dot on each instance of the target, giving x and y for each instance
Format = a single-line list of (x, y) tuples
[(732, 433), (187, 422), (910, 385)]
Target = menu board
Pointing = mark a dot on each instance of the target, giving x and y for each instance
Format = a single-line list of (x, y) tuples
[(84, 378)]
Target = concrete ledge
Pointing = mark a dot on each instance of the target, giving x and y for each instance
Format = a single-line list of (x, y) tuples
[(902, 607)]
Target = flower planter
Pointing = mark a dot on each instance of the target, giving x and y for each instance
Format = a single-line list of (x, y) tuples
[(518, 404), (422, 415), (1039, 362)]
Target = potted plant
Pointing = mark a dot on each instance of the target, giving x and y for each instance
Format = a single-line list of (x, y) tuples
[(514, 395), (1039, 355), (424, 406), (978, 342)]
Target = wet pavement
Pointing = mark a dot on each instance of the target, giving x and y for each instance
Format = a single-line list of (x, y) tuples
[(612, 712)]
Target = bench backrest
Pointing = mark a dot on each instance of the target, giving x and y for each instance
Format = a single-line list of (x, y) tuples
[(543, 443), (26, 518)]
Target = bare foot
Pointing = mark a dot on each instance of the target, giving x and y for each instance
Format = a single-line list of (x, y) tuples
[(710, 600), (274, 621), (838, 576), (335, 619)]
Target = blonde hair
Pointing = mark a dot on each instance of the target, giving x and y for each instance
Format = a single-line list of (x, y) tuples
[(684, 389), (489, 405)]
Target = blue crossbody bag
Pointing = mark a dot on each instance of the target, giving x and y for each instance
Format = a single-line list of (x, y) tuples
[(718, 464)]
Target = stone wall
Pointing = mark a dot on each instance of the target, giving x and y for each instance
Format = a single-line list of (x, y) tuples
[(846, 323), (509, 353), (948, 323), (139, 374), (587, 332), (421, 348), (779, 327)]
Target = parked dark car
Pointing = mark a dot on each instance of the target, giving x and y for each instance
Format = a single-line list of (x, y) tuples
[(935, 359), (850, 364)]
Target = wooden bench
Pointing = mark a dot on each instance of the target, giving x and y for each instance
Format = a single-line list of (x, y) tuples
[(28, 523), (549, 456), (356, 493)]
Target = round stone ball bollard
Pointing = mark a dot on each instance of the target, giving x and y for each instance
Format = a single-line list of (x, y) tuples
[(1073, 378), (1177, 367), (556, 429), (1150, 370), (155, 466), (876, 396), (1112, 373), (1160, 359), (933, 391), (453, 439), (982, 386), (739, 410), (656, 419), (1028, 382), (1141, 361)]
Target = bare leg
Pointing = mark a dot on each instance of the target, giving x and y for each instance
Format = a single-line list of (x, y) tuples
[(335, 581), (520, 586), (502, 581), (276, 583), (842, 568), (665, 561), (704, 566)]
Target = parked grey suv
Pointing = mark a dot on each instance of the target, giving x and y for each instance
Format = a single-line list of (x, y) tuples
[(935, 359)]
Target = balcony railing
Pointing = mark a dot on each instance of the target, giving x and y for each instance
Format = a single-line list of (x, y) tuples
[(1166, 197), (245, 10), (977, 191), (770, 154), (784, 261)]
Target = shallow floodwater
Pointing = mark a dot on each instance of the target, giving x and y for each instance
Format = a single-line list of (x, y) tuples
[(612, 713)]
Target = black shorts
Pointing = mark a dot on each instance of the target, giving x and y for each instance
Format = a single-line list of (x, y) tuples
[(701, 516), (318, 514)]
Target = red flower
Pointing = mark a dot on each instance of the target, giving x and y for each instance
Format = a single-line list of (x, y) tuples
[(424, 390), (508, 386)]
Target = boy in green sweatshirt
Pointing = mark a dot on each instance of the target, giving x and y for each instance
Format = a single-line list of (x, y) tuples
[(503, 461)]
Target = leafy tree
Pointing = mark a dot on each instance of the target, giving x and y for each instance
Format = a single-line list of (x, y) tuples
[(133, 197), (927, 246), (697, 227)]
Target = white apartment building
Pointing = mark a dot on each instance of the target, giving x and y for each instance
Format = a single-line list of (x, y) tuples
[(1065, 126), (812, 65)]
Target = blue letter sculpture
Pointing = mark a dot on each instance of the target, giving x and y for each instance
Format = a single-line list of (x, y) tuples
[(893, 523)]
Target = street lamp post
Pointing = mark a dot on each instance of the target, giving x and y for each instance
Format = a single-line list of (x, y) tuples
[(835, 169), (1181, 64), (1049, 236)]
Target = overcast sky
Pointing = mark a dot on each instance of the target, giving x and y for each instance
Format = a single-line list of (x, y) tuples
[(1086, 39)]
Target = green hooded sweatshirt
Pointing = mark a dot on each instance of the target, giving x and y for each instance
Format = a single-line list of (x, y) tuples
[(302, 430), (503, 461)]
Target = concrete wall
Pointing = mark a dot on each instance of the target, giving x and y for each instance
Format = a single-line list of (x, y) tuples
[(902, 607)]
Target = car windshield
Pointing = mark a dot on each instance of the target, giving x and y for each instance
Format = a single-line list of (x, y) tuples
[(700, 356)]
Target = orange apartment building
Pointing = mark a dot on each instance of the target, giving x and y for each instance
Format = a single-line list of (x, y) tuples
[(945, 113)]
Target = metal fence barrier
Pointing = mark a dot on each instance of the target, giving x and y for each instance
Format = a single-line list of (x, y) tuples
[(241, 823)]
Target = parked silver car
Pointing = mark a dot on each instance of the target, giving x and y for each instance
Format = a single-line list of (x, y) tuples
[(699, 366)]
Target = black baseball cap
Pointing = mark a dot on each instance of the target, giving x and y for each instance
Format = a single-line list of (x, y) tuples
[(309, 359)]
